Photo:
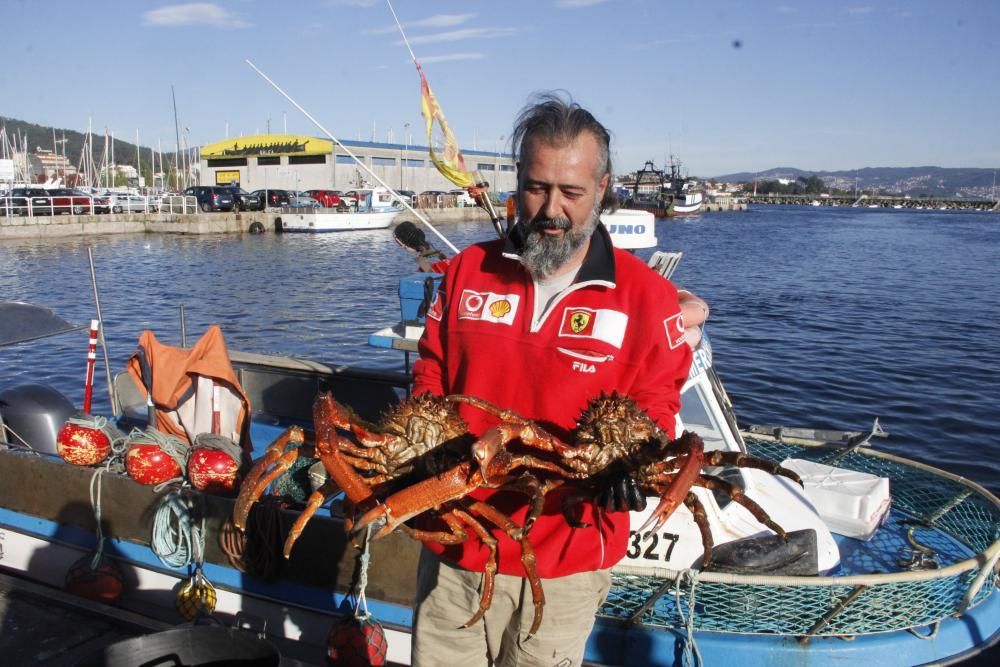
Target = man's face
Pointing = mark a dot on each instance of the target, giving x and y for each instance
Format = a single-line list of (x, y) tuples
[(559, 196)]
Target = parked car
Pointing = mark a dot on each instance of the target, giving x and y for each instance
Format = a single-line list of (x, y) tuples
[(244, 200), (69, 201), (463, 197), (408, 196), (123, 202), (211, 197), (349, 198), (274, 197), (25, 201), (327, 198), (301, 199)]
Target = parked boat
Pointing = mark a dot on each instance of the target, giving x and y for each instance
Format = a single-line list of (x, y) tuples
[(374, 210), (674, 197), (920, 590)]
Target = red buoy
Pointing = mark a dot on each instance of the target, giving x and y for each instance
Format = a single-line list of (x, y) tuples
[(81, 445), (357, 642), (103, 583), (148, 464), (212, 471)]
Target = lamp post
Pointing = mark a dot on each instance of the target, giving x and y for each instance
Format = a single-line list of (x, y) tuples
[(496, 163), (406, 151)]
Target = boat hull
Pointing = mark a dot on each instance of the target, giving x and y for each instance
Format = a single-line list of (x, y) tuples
[(336, 222)]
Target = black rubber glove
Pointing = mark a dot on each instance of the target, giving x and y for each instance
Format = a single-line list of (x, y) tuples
[(619, 492)]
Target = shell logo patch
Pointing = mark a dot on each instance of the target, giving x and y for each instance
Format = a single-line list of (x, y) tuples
[(598, 324), (674, 326), (488, 306)]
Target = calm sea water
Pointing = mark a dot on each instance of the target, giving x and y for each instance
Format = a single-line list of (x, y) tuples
[(822, 317)]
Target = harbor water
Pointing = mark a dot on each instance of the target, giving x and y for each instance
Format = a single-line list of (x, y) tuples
[(822, 317)]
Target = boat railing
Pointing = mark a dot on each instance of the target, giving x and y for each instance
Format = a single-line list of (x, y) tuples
[(947, 541)]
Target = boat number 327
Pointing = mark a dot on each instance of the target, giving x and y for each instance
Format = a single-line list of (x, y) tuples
[(651, 545)]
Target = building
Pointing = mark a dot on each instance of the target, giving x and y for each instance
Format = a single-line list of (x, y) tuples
[(291, 162), (47, 166)]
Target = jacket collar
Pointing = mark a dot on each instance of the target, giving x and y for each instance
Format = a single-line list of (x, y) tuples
[(598, 265)]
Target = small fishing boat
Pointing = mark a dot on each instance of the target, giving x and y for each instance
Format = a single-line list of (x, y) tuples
[(675, 196), (894, 561), (374, 210)]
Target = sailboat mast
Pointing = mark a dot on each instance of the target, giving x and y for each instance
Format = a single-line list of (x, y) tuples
[(177, 133)]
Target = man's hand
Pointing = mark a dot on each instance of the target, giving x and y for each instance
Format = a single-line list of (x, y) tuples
[(620, 493)]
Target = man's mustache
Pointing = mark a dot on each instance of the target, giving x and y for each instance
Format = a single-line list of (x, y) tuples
[(551, 223)]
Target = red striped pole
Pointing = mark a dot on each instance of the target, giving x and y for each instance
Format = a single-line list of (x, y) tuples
[(216, 408), (91, 360)]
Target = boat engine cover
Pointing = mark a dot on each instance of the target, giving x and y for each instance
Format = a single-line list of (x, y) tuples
[(32, 415)]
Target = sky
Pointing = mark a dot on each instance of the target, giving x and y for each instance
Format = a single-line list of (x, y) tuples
[(726, 86)]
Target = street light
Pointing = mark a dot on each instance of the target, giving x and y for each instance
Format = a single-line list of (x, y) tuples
[(406, 150), (496, 163)]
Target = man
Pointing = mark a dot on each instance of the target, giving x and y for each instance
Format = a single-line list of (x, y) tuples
[(539, 323)]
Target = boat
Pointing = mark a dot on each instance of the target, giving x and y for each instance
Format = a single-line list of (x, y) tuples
[(675, 197), (374, 210), (915, 585)]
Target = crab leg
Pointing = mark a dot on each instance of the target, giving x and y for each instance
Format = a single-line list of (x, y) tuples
[(701, 520), (256, 481), (420, 497), (315, 501), (741, 460), (736, 493)]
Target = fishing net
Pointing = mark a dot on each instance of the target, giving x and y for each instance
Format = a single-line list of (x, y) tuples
[(948, 516)]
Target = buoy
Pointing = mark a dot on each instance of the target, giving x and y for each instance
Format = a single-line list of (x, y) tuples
[(81, 441), (148, 464), (100, 581), (197, 597), (212, 469), (357, 641)]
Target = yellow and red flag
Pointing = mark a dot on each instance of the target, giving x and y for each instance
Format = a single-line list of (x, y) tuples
[(443, 148)]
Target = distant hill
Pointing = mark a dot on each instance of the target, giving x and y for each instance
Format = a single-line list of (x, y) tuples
[(913, 181), (40, 136)]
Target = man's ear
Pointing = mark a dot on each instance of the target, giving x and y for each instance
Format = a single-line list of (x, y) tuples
[(602, 187)]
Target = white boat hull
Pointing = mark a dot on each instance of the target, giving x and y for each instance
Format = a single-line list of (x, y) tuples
[(336, 222)]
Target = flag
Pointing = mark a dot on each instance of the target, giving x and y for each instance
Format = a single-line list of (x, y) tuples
[(444, 153)]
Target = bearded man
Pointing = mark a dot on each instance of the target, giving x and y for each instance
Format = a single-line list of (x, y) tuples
[(539, 323)]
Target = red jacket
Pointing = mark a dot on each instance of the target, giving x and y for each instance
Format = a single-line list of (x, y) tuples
[(618, 327)]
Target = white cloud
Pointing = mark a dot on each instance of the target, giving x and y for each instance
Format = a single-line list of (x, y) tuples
[(574, 4), (436, 21), (458, 35), (193, 13), (451, 56)]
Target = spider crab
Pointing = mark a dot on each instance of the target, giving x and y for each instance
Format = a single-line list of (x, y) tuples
[(613, 434), (418, 438)]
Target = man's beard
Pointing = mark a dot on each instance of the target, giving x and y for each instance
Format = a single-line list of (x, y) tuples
[(544, 255)]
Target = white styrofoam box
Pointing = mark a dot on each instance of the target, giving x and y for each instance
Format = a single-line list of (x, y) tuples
[(850, 503)]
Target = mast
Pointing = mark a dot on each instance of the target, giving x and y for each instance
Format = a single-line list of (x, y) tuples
[(177, 132)]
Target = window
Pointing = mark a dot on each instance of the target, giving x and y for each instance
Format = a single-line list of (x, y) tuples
[(345, 159), (228, 162), (506, 167), (268, 161), (486, 166), (413, 163), (383, 162), (307, 159)]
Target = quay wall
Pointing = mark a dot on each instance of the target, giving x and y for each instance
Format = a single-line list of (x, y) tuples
[(19, 227)]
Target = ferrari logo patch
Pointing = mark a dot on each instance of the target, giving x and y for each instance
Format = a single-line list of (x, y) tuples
[(599, 324)]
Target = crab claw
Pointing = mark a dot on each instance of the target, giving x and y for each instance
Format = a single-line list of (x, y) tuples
[(692, 447), (418, 498)]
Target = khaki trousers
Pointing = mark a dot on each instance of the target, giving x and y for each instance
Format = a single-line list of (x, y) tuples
[(448, 596)]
